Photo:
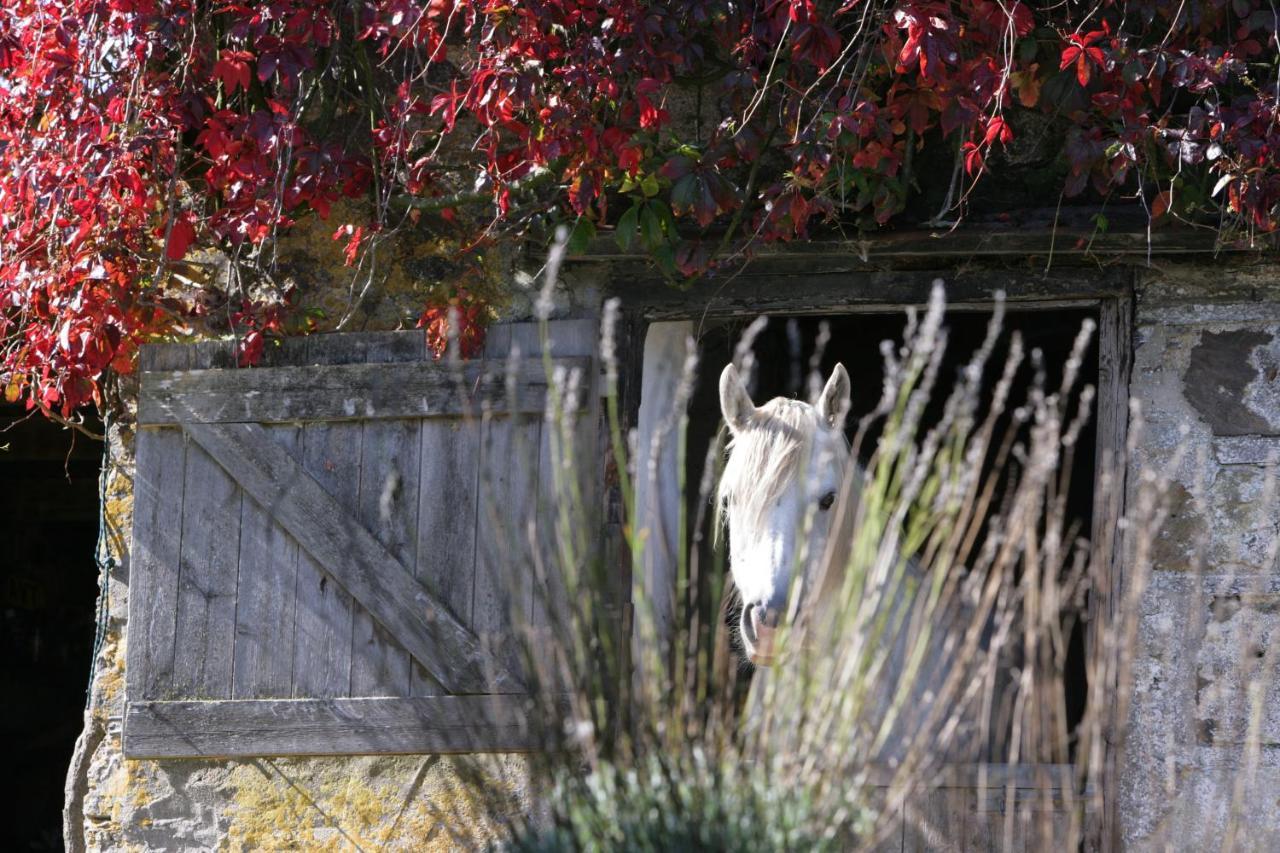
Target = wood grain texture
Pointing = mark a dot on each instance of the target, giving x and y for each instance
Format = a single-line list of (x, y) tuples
[(208, 564), (262, 657), (568, 494), (353, 557), (164, 357), (207, 570), (1115, 364), (327, 554), (351, 392), (262, 661), (157, 538), (842, 287), (448, 504), (502, 601), (969, 807), (887, 833), (1047, 232), (243, 728), (366, 347), (325, 620), (935, 821), (388, 507), (213, 355)]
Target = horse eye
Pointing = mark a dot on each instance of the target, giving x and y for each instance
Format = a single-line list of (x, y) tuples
[(825, 502)]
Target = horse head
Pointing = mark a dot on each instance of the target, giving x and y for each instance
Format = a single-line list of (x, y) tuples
[(778, 497)]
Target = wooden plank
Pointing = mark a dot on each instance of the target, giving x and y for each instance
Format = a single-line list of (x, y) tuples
[(335, 393), (207, 568), (157, 538), (211, 355), (245, 728), (209, 562), (964, 807), (502, 598), (353, 557), (1045, 232), (1022, 819), (262, 660), (325, 618), (285, 351), (388, 507), (448, 512), (886, 835), (389, 480), (992, 776), (164, 357), (568, 473), (366, 347), (843, 289), (528, 435), (934, 820), (1115, 363), (325, 612), (659, 498)]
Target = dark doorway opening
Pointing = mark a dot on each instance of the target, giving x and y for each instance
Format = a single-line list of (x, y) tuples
[(782, 357), (48, 593)]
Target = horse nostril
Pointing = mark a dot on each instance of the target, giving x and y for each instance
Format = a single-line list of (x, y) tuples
[(763, 617)]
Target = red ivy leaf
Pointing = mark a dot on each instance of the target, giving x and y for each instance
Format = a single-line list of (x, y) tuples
[(1082, 69), (997, 130), (1084, 52), (233, 69), (468, 311), (251, 347), (817, 43), (352, 249), (181, 235), (1161, 204), (973, 162)]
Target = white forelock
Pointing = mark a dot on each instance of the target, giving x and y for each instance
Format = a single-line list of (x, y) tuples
[(765, 457)]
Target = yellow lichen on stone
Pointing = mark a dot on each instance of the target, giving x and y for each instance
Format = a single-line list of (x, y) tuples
[(363, 802), (109, 678)]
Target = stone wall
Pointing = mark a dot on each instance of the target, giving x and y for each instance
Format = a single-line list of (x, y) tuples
[(1203, 758)]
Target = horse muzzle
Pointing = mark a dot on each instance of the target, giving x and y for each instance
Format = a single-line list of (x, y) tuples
[(760, 629)]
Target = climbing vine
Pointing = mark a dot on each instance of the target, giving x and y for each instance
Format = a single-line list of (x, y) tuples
[(137, 136)]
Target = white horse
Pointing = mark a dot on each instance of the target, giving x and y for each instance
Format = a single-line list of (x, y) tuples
[(787, 462), (789, 509)]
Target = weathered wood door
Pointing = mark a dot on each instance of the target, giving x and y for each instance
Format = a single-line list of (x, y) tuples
[(332, 552), (986, 808)]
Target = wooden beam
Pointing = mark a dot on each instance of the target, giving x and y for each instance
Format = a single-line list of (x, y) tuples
[(1115, 364), (158, 492), (1079, 244), (980, 776), (764, 289), (256, 727), (342, 392), (354, 558)]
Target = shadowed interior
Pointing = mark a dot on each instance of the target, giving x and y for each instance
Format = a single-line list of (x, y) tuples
[(783, 353)]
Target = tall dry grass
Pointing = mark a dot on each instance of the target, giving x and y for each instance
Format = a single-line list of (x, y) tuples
[(931, 704)]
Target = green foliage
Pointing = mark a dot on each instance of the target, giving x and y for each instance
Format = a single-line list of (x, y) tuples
[(687, 802)]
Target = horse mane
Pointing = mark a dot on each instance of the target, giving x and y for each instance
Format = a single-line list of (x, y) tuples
[(765, 457)]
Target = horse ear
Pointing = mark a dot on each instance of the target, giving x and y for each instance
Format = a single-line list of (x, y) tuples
[(833, 404), (735, 402)]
